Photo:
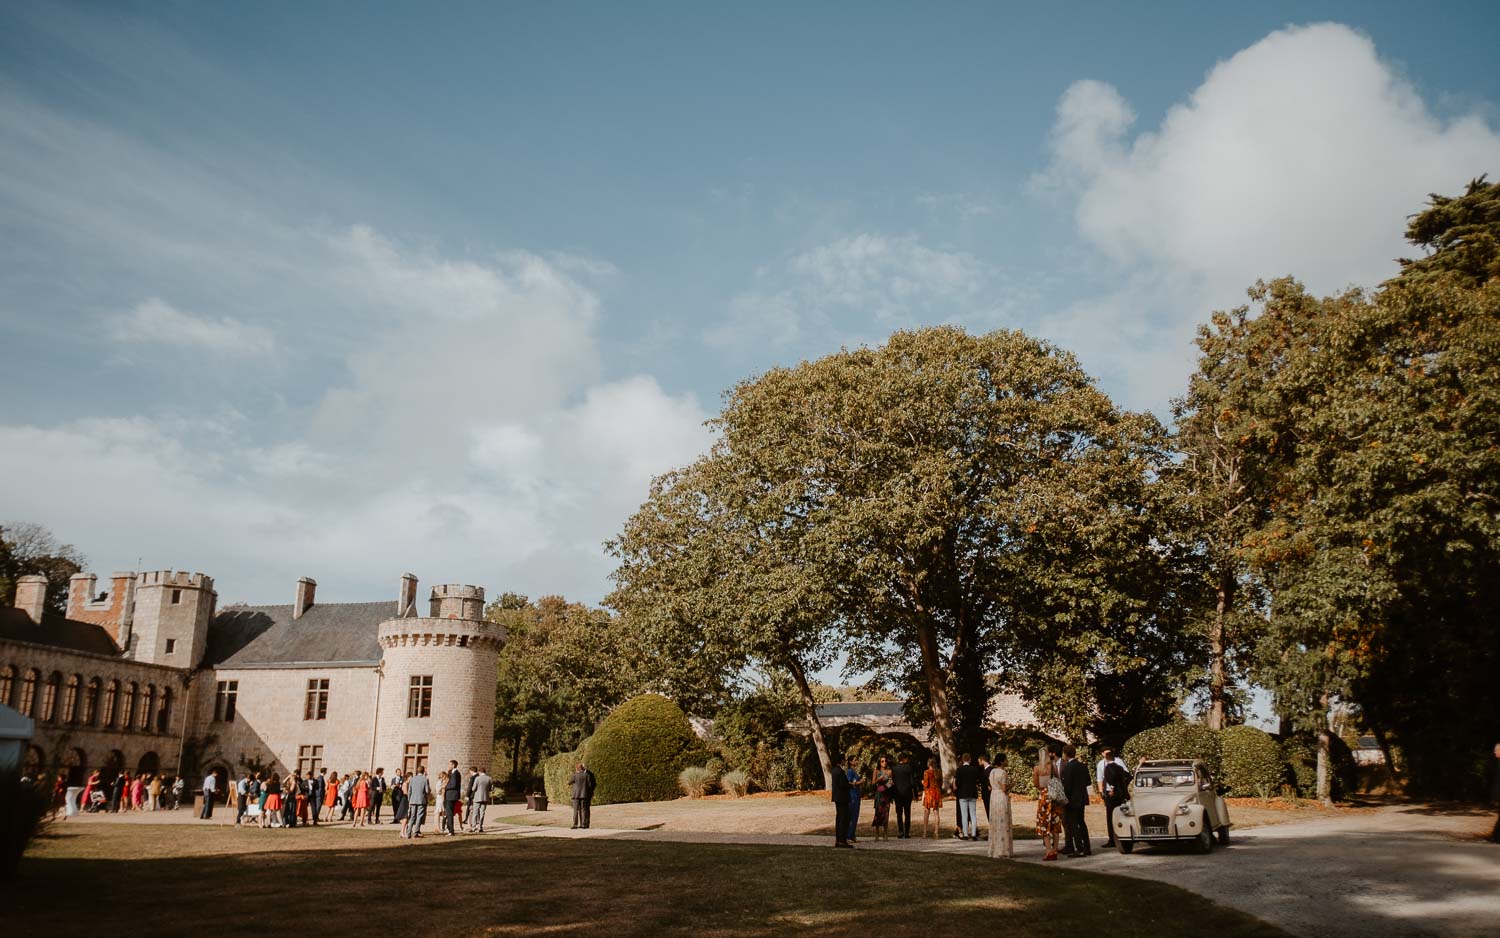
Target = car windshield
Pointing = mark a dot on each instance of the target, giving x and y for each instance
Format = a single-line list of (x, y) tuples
[(1164, 778)]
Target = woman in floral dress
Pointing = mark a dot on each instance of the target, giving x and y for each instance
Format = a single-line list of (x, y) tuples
[(883, 782), (932, 800), (1048, 815)]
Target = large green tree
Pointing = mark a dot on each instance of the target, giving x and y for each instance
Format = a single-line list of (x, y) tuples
[(562, 668), (957, 506)]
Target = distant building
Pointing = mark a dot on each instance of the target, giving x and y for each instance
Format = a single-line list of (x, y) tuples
[(150, 676), (889, 716)]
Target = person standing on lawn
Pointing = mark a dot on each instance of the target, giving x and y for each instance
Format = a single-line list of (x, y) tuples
[(582, 787), (210, 788), (1114, 788), (1075, 779), (417, 790), (838, 785), (882, 783), (479, 798), (452, 794), (932, 801), (1048, 815), (902, 785), (966, 789), (398, 797), (855, 781), (1001, 842), (377, 793), (241, 798)]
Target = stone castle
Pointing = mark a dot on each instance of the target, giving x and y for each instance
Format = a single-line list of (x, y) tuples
[(151, 676)]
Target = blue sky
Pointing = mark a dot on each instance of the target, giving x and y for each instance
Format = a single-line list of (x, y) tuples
[(344, 290)]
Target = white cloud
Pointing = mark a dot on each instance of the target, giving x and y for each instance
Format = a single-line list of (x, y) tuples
[(154, 321), (1302, 154), (855, 289)]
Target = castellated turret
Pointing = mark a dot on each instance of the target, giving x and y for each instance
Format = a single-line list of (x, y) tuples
[(437, 683), (170, 622)]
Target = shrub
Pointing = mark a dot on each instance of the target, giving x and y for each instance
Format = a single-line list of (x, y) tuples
[(639, 749), (696, 780), (1252, 762), (22, 807), (1300, 753), (790, 766), (736, 783), (556, 773), (1175, 741)]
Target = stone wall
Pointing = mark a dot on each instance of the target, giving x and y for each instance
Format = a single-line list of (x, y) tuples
[(270, 725), (461, 656), (76, 742)]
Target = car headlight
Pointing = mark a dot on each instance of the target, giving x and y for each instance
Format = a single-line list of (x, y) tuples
[(1184, 809), (1124, 809)]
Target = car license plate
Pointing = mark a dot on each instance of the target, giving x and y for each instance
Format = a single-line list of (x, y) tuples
[(1154, 831)]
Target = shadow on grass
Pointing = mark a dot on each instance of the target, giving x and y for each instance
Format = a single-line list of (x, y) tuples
[(325, 883)]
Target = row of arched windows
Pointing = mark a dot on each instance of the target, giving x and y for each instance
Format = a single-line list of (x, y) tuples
[(117, 705)]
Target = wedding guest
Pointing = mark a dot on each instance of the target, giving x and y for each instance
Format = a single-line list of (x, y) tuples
[(1001, 842), (1048, 815), (883, 783), (932, 801)]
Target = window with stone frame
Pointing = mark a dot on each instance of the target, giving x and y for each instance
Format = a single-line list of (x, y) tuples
[(127, 707), (70, 699), (111, 696), (148, 708), (164, 711), (224, 701), (91, 703), (49, 697), (7, 684), (309, 760), (316, 707), (419, 698), (413, 755), (27, 702)]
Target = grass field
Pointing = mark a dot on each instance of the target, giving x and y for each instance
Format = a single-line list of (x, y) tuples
[(143, 879)]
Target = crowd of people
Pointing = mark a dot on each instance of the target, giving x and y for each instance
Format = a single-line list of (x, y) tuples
[(122, 793), (270, 799), (1061, 781)]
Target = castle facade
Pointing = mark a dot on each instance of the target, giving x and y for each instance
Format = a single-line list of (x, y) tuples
[(150, 675)]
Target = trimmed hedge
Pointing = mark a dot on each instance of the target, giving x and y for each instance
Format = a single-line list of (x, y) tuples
[(1175, 741), (1252, 762), (639, 749), (556, 772)]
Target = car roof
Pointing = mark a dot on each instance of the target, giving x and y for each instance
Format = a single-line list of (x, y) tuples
[(1168, 763)]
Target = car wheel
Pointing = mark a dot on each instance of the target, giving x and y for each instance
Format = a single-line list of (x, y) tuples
[(1205, 842), (1224, 836), (1126, 846)]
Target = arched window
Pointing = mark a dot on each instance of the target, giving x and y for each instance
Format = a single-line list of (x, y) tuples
[(127, 707), (111, 695), (70, 698), (7, 684), (28, 693), (91, 703), (164, 715), (148, 708), (49, 697)]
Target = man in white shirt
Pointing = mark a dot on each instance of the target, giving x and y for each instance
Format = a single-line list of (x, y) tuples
[(1109, 756), (210, 786)]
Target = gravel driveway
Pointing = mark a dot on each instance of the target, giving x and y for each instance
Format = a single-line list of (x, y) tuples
[(1402, 870)]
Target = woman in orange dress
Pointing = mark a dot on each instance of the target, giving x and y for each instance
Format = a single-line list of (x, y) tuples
[(331, 794), (932, 800), (271, 816), (1048, 815), (361, 799)]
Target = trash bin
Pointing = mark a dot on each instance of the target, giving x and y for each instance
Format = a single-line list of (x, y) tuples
[(536, 802)]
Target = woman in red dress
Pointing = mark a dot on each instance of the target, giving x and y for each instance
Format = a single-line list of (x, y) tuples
[(932, 800), (361, 796)]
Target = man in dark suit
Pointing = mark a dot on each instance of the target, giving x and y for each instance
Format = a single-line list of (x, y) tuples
[(1115, 791), (452, 794), (903, 784), (1075, 781), (966, 783), (377, 794), (838, 784), (583, 784), (317, 785)]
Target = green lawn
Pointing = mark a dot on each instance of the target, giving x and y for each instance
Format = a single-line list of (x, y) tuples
[(144, 879)]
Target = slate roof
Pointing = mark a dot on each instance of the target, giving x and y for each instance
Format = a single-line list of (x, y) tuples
[(57, 632), (873, 708), (266, 636)]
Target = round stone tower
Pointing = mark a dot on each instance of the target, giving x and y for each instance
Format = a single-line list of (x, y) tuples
[(437, 687)]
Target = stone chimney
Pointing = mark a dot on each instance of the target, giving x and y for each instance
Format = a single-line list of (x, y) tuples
[(80, 592), (31, 596), (307, 587), (406, 596)]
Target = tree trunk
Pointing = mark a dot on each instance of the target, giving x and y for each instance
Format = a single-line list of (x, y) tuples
[(810, 710), (1325, 754), (1217, 671), (937, 698)]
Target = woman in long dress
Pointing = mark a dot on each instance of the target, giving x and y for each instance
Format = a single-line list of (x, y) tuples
[(1048, 815), (883, 783), (1001, 842)]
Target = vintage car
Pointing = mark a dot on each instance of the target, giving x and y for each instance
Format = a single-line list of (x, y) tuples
[(1172, 800)]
